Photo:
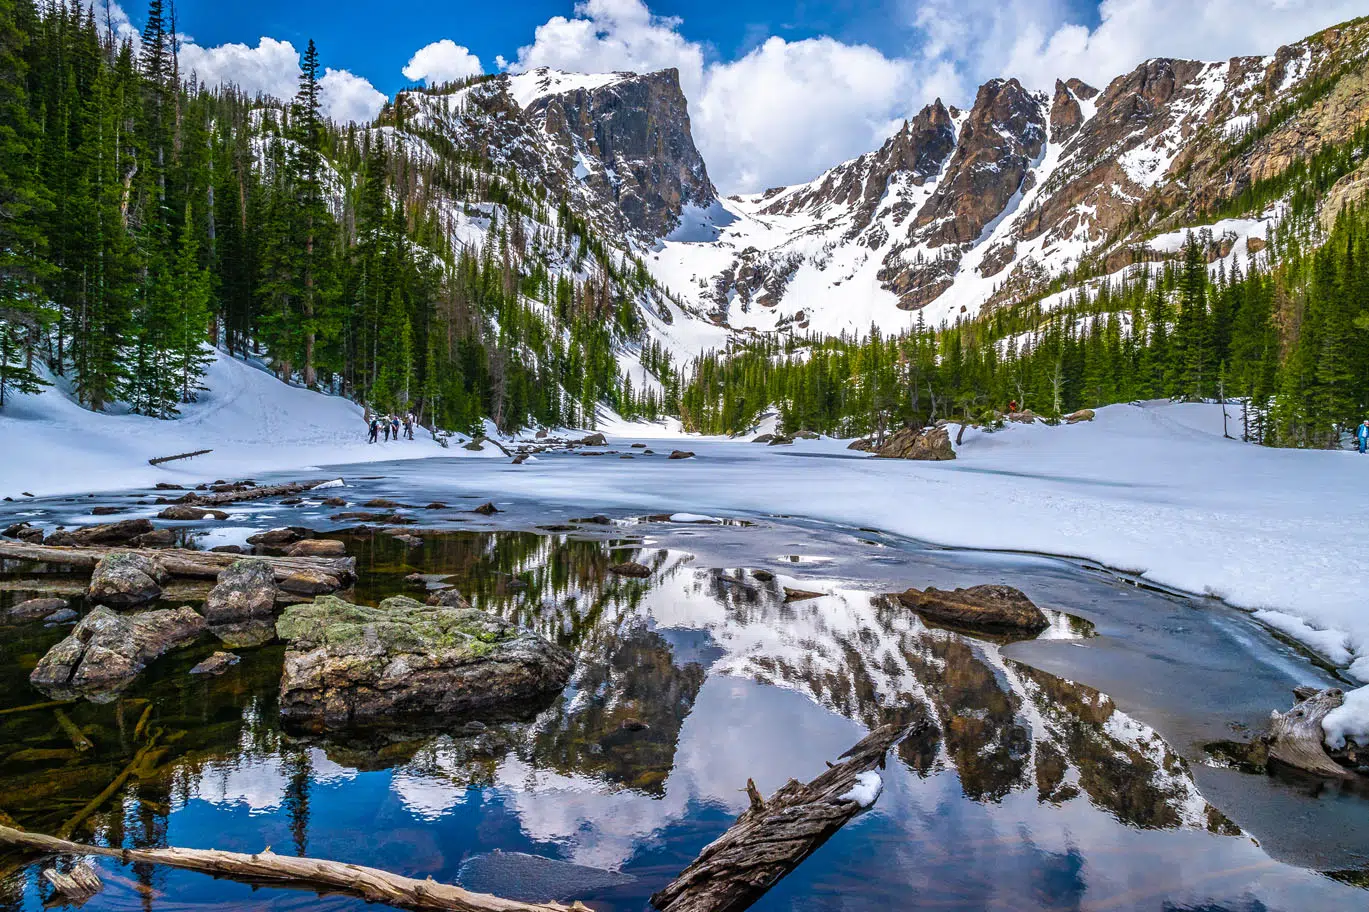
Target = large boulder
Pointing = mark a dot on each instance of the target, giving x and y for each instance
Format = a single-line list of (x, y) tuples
[(246, 590), (317, 547), (124, 579), (189, 512), (106, 651), (928, 444), (1000, 609), (1081, 415), (349, 665), (594, 440), (117, 533)]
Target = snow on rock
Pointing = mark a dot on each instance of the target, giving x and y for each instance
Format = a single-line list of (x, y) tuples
[(1350, 720), (527, 88), (866, 790)]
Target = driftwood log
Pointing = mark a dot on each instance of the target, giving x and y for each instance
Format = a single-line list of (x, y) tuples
[(774, 835), (161, 459), (266, 867), (227, 497), (76, 887), (1296, 737), (178, 561)]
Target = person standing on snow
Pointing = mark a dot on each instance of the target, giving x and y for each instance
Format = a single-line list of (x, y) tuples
[(394, 425), (375, 429), (385, 426), (409, 422), (1362, 433)]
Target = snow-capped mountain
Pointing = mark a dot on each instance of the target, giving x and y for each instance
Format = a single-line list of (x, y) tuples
[(1022, 193), (962, 209)]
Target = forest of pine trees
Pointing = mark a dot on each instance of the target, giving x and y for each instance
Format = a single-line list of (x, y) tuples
[(1284, 339), (146, 217)]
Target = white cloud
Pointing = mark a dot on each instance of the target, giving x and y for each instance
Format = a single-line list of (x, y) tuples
[(1131, 31), (349, 98), (787, 110), (272, 68), (442, 61)]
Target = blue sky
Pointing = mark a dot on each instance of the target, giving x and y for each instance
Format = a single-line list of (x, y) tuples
[(778, 90)]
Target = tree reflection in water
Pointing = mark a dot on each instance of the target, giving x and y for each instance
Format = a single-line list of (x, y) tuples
[(686, 683)]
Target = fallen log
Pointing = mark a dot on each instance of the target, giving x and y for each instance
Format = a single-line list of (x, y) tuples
[(266, 867), (161, 459), (78, 886), (179, 561), (773, 836), (258, 493), (1296, 737)]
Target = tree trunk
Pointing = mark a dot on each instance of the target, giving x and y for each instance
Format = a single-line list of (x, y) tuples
[(773, 836), (178, 562), (1296, 737)]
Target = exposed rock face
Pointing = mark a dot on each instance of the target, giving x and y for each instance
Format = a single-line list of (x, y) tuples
[(1004, 134), (106, 651), (118, 533), (349, 665), (245, 591), (991, 608), (933, 444), (636, 130), (124, 579), (1067, 114)]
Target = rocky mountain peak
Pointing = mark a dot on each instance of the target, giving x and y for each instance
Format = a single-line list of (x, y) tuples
[(1067, 113), (627, 138)]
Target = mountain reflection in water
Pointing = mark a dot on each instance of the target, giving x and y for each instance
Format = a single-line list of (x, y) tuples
[(1032, 792)]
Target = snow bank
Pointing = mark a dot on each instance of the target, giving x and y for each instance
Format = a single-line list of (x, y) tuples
[(1350, 720), (251, 421)]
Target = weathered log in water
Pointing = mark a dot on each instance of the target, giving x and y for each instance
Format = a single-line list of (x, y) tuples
[(1297, 739), (76, 887), (773, 836), (265, 867), (179, 561), (161, 459), (257, 493)]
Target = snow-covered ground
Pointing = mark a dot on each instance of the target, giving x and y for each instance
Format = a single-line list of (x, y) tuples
[(251, 421), (1152, 489)]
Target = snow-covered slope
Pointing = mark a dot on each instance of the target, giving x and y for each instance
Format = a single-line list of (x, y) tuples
[(252, 422), (963, 209)]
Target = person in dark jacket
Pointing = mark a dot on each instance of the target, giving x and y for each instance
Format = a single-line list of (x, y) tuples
[(394, 425), (385, 426), (1362, 433), (375, 429)]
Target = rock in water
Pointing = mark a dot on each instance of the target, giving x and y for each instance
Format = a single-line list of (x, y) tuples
[(187, 512), (216, 664), (119, 533), (532, 878), (486, 509), (124, 579), (106, 651), (318, 547), (246, 590), (310, 582), (594, 440), (992, 608), (632, 569), (932, 444), (682, 454), (34, 609), (355, 666)]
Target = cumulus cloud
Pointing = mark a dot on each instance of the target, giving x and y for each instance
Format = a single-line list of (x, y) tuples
[(781, 113), (442, 61), (788, 109), (272, 68)]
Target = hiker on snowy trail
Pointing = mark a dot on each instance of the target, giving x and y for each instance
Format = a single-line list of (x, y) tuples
[(409, 422), (394, 425), (375, 429), (1362, 432), (385, 424)]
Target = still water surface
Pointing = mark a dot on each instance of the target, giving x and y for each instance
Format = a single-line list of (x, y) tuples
[(1033, 792)]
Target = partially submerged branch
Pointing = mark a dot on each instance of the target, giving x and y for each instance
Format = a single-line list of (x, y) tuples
[(266, 867)]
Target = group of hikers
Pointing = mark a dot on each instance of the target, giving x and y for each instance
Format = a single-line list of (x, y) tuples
[(392, 426)]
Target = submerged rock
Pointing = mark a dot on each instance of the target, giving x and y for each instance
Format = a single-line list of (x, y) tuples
[(534, 879), (106, 651), (118, 533), (932, 444), (681, 454), (992, 608), (216, 664), (486, 509), (632, 569), (349, 665), (188, 512), (246, 590), (35, 609), (124, 579)]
